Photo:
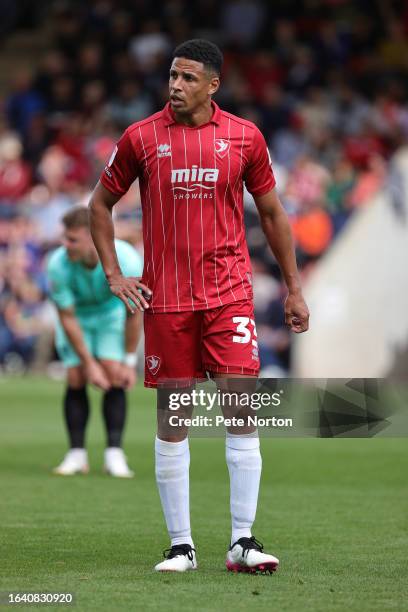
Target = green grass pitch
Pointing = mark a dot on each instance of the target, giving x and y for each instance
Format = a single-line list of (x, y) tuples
[(333, 511)]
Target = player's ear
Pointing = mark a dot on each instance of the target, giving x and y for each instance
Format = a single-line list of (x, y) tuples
[(213, 85)]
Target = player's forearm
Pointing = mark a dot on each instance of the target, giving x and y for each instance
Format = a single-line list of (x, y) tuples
[(279, 236), (74, 334), (103, 235), (133, 331)]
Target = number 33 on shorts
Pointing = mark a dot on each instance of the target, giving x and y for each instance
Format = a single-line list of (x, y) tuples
[(247, 334), (246, 329), (232, 346)]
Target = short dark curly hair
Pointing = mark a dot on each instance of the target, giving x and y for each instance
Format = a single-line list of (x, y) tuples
[(201, 50)]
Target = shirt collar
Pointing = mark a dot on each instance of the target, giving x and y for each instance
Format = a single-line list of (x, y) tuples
[(169, 118)]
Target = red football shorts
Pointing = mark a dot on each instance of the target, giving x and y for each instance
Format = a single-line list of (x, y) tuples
[(183, 346)]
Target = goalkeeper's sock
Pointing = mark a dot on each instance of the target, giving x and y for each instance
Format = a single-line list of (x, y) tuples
[(244, 465), (76, 412), (172, 476), (114, 412)]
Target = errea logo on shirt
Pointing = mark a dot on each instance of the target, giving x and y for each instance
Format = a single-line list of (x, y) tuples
[(163, 150), (110, 162)]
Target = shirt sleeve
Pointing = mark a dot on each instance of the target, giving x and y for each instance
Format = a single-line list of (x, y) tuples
[(59, 290), (258, 176), (122, 168)]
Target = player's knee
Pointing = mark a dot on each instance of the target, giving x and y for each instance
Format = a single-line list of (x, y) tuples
[(116, 383), (113, 373), (76, 378), (169, 433), (177, 437)]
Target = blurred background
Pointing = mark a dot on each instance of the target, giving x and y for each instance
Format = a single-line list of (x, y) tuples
[(326, 81)]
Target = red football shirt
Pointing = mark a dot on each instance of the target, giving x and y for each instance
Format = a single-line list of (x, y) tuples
[(191, 184)]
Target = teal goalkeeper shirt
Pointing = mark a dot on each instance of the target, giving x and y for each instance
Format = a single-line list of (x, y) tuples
[(72, 285)]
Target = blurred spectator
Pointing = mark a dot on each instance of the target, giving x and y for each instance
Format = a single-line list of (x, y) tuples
[(39, 136), (23, 102), (306, 185), (90, 64), (15, 174), (338, 193), (62, 96), (130, 105), (285, 42), (273, 335), (394, 47), (289, 143), (261, 72), (349, 109), (303, 73), (315, 112), (241, 21), (54, 65), (68, 28), (275, 108), (24, 313), (313, 231), (120, 32), (369, 182), (150, 46)]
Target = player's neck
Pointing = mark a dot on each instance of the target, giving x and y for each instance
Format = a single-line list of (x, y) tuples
[(90, 260), (200, 116)]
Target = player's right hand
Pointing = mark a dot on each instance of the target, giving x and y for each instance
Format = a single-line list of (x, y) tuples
[(96, 375), (129, 376), (127, 288)]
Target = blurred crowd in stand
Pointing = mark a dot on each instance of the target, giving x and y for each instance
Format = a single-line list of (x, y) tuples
[(325, 81)]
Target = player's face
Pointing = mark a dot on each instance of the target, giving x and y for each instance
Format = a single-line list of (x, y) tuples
[(190, 85), (78, 243)]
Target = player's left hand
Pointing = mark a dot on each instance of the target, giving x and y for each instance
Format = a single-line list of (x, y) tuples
[(128, 288), (296, 313), (129, 376)]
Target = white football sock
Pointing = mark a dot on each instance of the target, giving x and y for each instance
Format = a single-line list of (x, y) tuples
[(172, 477), (244, 465)]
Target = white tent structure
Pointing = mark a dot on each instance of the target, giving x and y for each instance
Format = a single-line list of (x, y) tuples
[(358, 293)]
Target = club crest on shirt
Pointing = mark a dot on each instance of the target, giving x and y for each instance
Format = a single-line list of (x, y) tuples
[(222, 146), (153, 363)]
